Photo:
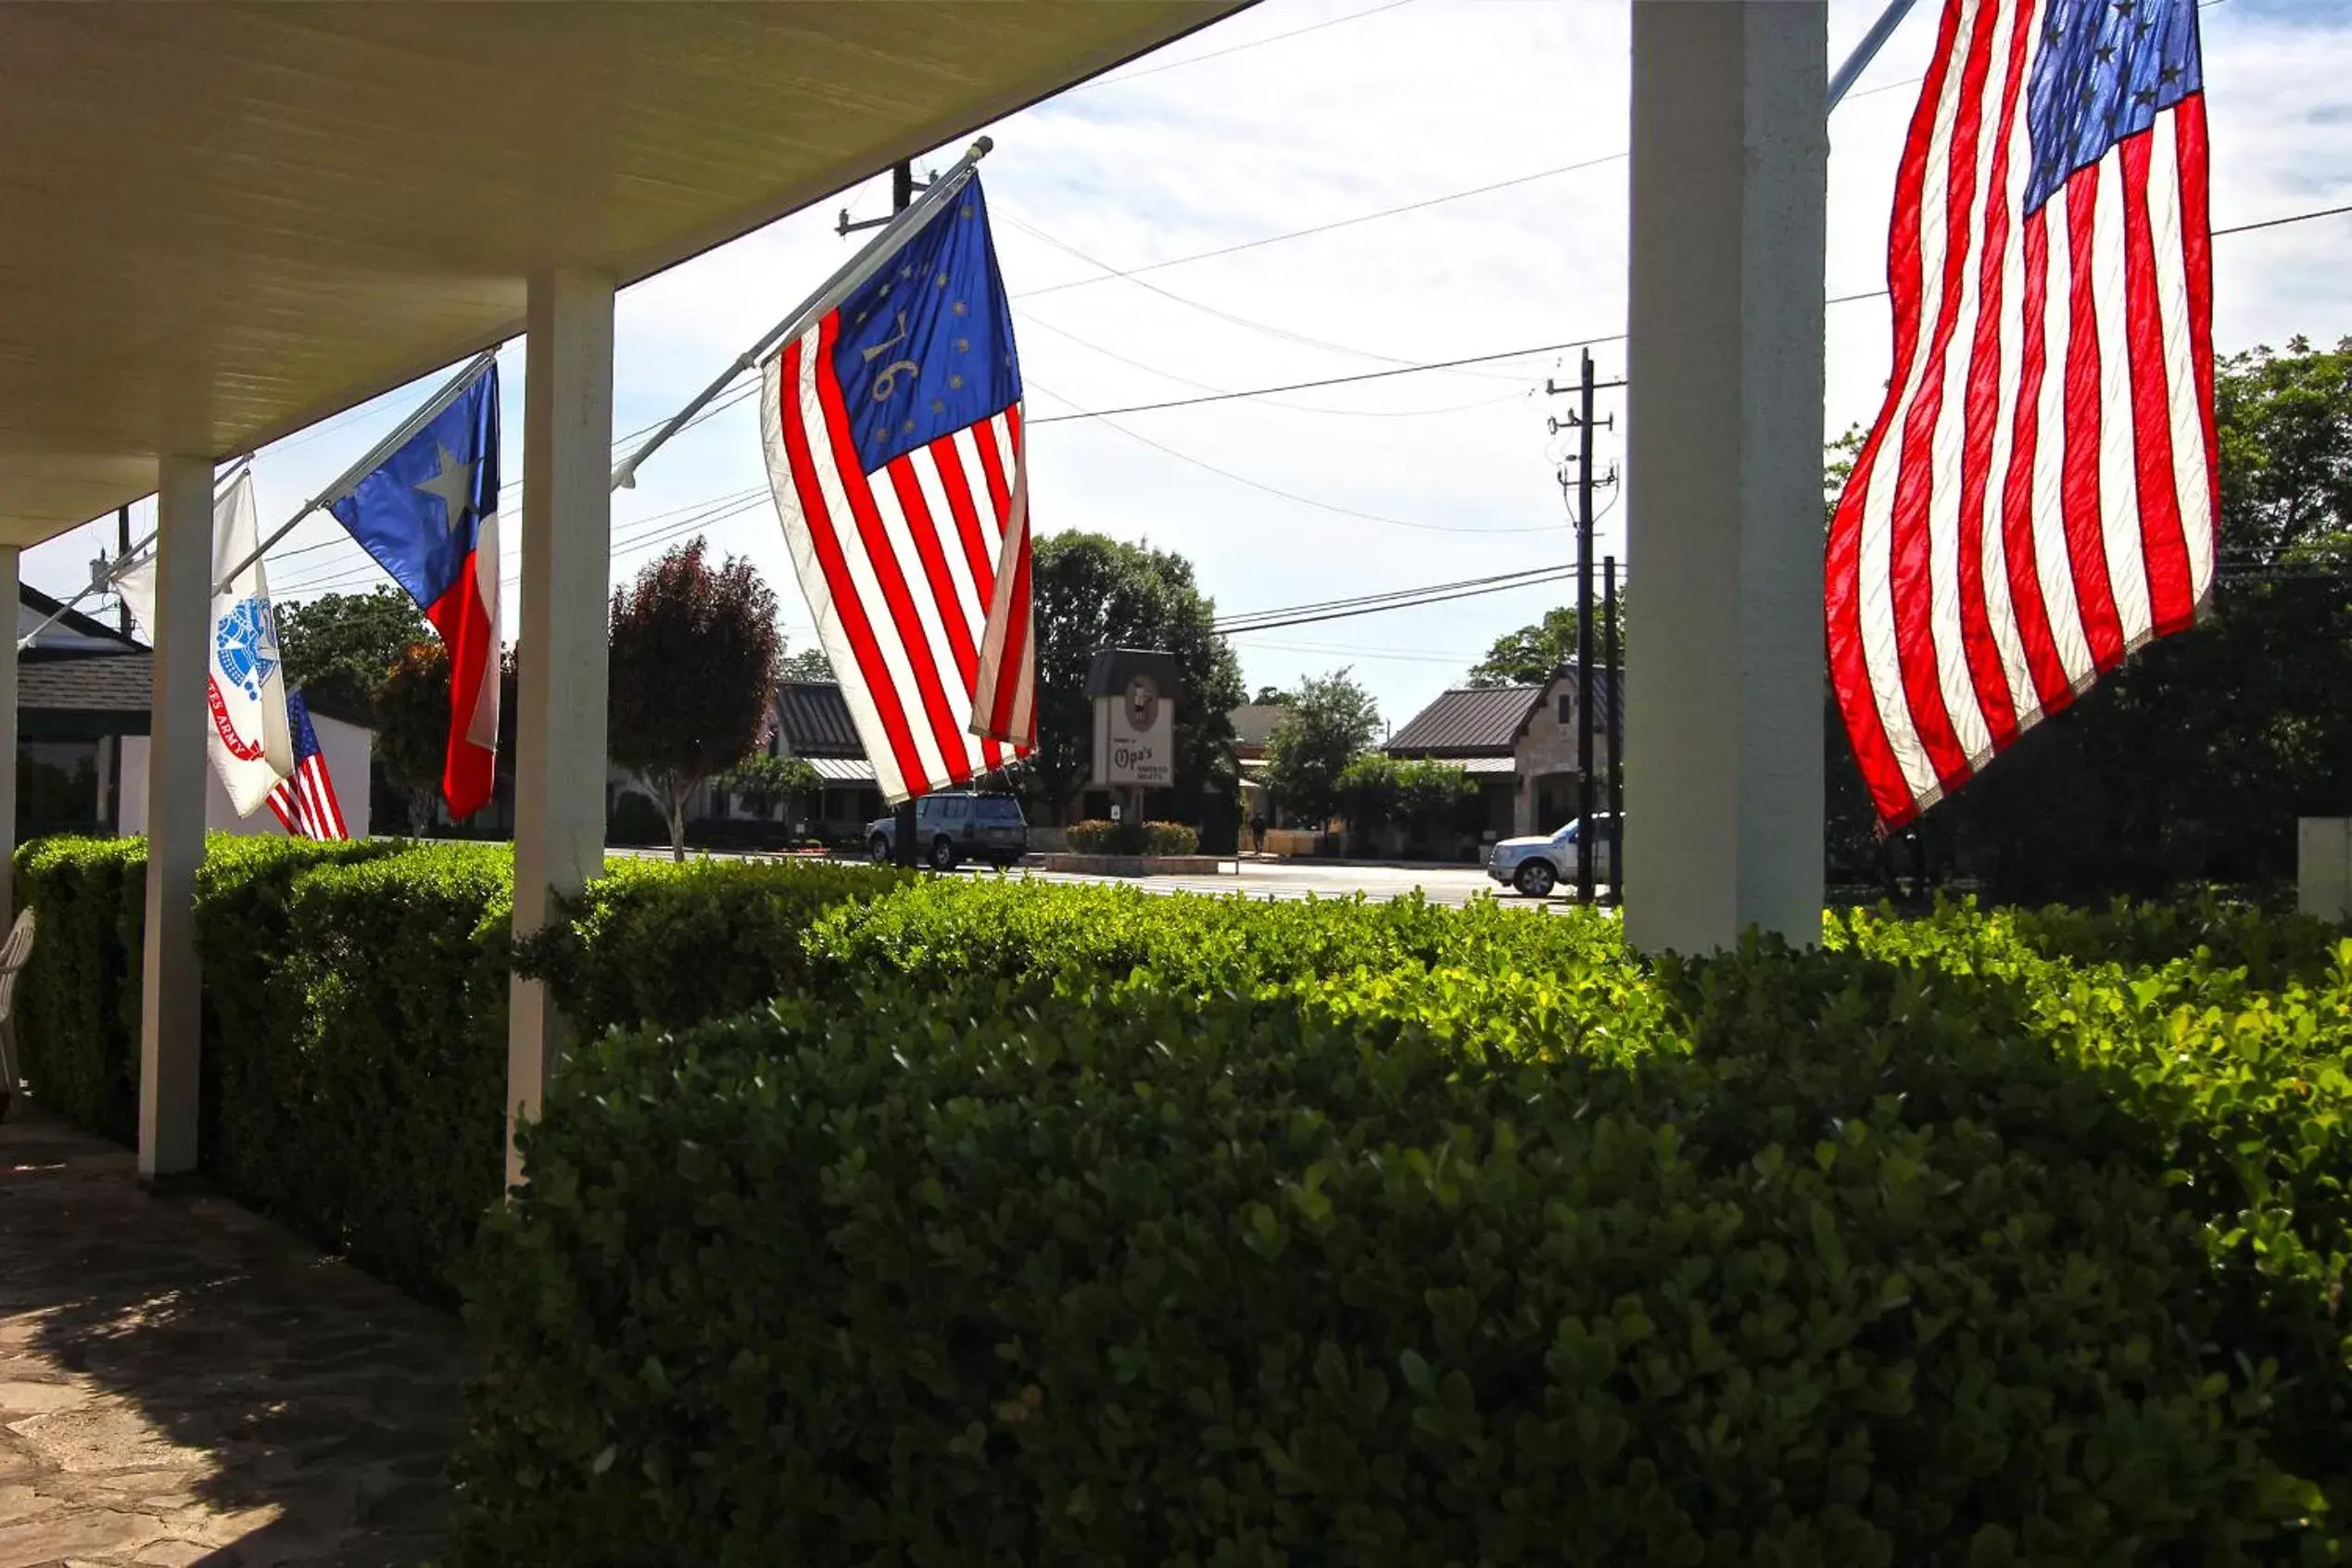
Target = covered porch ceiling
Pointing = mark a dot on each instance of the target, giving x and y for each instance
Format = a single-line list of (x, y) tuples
[(219, 223)]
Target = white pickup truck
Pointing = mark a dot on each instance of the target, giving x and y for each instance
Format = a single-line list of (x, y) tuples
[(1535, 865)]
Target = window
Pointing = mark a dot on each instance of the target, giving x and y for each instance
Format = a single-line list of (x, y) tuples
[(1000, 810), (928, 809), (956, 808), (57, 783)]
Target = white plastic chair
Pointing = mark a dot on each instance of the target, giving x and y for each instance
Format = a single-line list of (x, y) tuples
[(13, 954)]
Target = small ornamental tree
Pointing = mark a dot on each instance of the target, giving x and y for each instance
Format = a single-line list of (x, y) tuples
[(764, 782), (412, 705), (1330, 720), (696, 658)]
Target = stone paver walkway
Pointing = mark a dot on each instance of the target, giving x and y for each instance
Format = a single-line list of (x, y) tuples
[(184, 1384)]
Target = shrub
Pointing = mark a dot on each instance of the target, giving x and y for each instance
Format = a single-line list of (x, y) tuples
[(1774, 1258), (1096, 837), (77, 1025), (1034, 939), (637, 820), (261, 1036), (1170, 838), (655, 943)]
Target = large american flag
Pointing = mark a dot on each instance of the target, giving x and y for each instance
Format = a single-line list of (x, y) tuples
[(304, 800), (2036, 498), (893, 437)]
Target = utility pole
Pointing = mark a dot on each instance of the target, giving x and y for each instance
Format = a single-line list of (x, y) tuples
[(1582, 422), (903, 850), (122, 549), (1614, 661)]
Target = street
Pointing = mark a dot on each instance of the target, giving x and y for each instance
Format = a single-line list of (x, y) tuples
[(1452, 885)]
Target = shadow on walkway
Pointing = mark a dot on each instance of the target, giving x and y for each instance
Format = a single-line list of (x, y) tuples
[(181, 1383)]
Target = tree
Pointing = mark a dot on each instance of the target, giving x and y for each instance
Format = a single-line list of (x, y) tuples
[(764, 782), (1331, 721), (339, 647), (1272, 697), (410, 707), (1097, 592), (695, 659), (808, 665), (1532, 654)]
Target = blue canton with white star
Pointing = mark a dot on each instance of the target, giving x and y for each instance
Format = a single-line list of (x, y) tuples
[(926, 344), (2106, 68), (420, 513)]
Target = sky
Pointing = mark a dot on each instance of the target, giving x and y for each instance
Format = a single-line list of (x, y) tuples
[(1304, 115)]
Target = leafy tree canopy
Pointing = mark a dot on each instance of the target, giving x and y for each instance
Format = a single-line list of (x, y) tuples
[(1532, 654), (339, 647), (808, 665), (1331, 721), (1092, 591), (695, 659)]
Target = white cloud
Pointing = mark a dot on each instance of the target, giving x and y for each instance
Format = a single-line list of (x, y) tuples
[(1414, 102)]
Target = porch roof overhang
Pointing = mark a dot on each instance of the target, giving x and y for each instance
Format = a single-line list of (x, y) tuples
[(227, 222)]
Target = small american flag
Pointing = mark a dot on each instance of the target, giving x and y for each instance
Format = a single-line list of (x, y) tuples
[(893, 436), (2036, 498), (304, 803)]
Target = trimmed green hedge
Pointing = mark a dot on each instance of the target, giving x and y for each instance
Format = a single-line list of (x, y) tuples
[(655, 943), (77, 999), (353, 1076), (1423, 1237)]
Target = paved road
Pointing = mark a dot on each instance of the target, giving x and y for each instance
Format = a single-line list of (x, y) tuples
[(1281, 879)]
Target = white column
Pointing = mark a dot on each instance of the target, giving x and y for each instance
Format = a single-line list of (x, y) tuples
[(2323, 868), (560, 660), (1723, 701), (168, 1028), (8, 761)]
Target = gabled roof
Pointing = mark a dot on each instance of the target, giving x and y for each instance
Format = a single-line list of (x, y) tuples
[(1606, 694), (1473, 721), (77, 626), (108, 683), (813, 720)]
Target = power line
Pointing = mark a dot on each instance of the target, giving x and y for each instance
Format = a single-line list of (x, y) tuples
[(1561, 574), (1218, 392), (1293, 496), (1326, 381), (1505, 578), (1283, 334), (1327, 228), (1234, 49)]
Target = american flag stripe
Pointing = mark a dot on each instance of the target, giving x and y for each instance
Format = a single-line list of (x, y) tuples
[(899, 568), (304, 803), (2036, 499)]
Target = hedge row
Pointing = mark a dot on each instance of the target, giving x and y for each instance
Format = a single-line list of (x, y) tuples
[(1112, 1229), (355, 1000)]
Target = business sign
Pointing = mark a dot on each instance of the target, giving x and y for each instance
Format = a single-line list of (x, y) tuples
[(1135, 693), (1135, 735)]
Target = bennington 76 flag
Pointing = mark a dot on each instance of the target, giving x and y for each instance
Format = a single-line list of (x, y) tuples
[(893, 437), (2036, 498)]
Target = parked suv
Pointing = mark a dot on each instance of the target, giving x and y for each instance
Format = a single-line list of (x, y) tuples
[(1535, 865), (953, 825)]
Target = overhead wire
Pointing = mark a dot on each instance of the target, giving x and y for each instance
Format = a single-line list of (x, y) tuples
[(1293, 496)]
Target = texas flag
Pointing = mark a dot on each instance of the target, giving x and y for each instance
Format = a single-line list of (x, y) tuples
[(428, 513)]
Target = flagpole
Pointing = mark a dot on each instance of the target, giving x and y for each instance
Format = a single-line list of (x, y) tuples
[(123, 562), (468, 373), (839, 286), (1868, 50)]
